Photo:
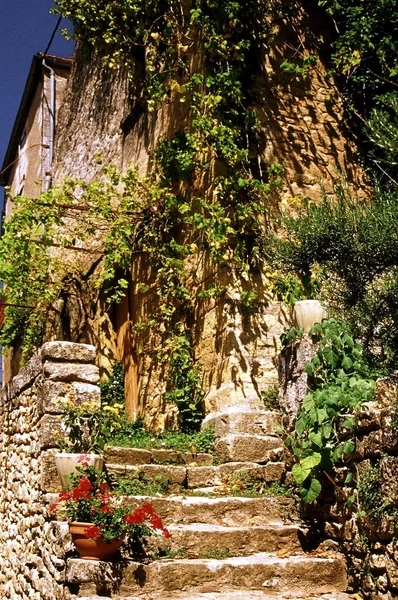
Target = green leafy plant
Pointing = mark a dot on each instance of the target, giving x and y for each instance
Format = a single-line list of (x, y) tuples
[(243, 484), (133, 435), (81, 427), (357, 243), (186, 390), (365, 57), (112, 389), (322, 436)]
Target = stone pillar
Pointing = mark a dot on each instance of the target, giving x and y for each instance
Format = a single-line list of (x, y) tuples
[(33, 564)]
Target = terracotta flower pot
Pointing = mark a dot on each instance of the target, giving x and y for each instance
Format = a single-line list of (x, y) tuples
[(308, 312), (67, 463), (92, 549)]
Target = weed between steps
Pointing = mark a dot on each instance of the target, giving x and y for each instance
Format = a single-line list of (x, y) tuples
[(238, 484), (217, 553), (133, 435)]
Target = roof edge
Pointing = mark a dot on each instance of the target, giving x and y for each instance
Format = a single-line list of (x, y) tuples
[(32, 81)]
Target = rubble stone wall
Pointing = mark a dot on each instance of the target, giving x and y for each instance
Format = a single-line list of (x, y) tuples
[(32, 546), (367, 538), (369, 541)]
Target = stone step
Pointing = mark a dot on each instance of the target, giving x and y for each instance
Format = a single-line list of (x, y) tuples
[(240, 419), (229, 511), (265, 572), (194, 477), (237, 595), (141, 456), (219, 595), (249, 448), (200, 539)]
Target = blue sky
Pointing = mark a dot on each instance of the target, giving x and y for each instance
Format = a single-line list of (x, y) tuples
[(25, 28)]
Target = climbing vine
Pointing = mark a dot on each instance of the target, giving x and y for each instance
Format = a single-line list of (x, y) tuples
[(339, 383), (81, 237)]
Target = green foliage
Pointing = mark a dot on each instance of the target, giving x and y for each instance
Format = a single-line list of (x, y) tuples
[(365, 57), (243, 484), (370, 498), (133, 435), (87, 427), (112, 389), (321, 437), (299, 70), (290, 336), (357, 243), (186, 383), (140, 486), (382, 130), (216, 554), (270, 397)]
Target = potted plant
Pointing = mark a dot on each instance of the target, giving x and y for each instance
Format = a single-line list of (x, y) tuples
[(98, 523)]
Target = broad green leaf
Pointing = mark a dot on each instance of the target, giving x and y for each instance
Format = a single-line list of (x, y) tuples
[(308, 402), (300, 426), (299, 473), (349, 423), (349, 447), (316, 438), (315, 330), (310, 490), (309, 462), (347, 363), (327, 430), (322, 415), (309, 369)]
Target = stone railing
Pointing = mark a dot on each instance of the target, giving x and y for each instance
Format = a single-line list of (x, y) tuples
[(32, 554)]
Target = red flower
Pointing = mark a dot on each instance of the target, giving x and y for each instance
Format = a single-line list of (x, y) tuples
[(156, 522), (104, 486), (65, 495), (85, 484), (83, 489), (105, 509), (92, 532), (105, 497), (148, 508), (166, 533), (78, 494), (131, 518), (53, 507)]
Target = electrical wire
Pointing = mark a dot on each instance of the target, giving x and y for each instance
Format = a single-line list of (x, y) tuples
[(52, 36)]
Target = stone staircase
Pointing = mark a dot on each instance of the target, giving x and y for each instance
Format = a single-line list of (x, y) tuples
[(222, 547)]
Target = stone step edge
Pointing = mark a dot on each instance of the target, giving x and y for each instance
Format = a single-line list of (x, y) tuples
[(52, 497), (191, 477), (203, 527), (259, 558), (237, 595), (140, 456), (327, 573)]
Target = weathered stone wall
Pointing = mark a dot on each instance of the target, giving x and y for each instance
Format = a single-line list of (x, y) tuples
[(367, 540), (370, 543), (32, 564), (104, 121)]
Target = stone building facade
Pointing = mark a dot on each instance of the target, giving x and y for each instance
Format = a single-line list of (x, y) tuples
[(301, 118)]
